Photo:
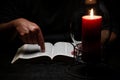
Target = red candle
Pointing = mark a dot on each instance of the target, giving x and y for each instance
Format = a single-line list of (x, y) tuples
[(91, 33)]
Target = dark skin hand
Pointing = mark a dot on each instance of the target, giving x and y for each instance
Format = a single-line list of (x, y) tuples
[(105, 35), (29, 32)]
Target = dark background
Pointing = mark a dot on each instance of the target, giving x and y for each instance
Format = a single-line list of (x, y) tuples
[(57, 70)]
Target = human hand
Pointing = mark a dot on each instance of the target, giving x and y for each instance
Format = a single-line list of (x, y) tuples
[(29, 32), (105, 35)]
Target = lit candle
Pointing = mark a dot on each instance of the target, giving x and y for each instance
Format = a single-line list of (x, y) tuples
[(91, 32)]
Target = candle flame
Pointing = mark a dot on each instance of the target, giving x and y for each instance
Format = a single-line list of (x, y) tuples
[(91, 13)]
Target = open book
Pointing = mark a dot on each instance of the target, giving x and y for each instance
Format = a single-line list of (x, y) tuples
[(30, 51)]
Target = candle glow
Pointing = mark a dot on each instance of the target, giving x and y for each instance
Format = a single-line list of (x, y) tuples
[(91, 13), (91, 34), (90, 1)]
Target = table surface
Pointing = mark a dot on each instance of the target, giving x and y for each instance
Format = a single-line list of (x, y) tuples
[(58, 70), (46, 71)]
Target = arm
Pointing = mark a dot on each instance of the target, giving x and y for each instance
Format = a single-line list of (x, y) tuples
[(28, 31), (110, 30)]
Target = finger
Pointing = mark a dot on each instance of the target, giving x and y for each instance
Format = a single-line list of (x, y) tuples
[(105, 34), (33, 33), (41, 40), (24, 35), (33, 37), (28, 37), (113, 36), (24, 39)]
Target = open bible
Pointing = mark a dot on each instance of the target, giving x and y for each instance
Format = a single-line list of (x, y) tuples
[(59, 49)]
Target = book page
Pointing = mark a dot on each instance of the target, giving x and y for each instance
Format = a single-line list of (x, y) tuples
[(63, 48), (28, 51), (35, 51)]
